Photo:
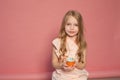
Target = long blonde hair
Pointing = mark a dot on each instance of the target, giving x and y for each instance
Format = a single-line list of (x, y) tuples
[(80, 41)]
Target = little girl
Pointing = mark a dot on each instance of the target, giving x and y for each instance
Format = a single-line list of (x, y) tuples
[(69, 49)]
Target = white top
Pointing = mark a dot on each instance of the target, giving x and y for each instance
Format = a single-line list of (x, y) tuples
[(76, 74)]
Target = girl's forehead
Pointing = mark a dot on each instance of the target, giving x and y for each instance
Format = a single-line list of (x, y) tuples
[(72, 18)]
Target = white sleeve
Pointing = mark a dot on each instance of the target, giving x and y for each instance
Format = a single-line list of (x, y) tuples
[(56, 44)]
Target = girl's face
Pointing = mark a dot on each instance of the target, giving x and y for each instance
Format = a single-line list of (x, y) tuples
[(71, 27)]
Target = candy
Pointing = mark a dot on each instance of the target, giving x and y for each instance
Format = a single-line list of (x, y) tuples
[(70, 61)]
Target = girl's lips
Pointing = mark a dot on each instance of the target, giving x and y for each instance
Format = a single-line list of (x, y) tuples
[(71, 32)]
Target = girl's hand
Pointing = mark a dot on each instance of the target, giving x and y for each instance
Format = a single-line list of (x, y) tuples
[(67, 67), (62, 60)]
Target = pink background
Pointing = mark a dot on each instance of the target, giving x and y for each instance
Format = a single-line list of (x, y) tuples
[(27, 28)]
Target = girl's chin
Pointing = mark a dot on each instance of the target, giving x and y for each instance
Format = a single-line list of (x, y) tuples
[(71, 35)]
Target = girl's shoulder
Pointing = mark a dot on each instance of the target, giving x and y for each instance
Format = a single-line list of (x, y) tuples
[(56, 42)]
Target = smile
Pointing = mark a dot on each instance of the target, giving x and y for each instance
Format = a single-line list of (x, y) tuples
[(71, 31)]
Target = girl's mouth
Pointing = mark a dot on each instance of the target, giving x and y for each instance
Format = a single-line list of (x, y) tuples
[(71, 32)]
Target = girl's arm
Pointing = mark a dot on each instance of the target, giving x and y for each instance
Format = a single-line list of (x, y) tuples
[(81, 65), (55, 61)]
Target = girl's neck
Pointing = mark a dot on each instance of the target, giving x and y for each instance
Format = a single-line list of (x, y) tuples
[(71, 38)]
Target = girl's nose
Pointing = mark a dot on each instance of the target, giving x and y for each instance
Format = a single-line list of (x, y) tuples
[(72, 27)]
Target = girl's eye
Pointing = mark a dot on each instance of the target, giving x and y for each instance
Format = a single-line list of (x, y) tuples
[(76, 24), (68, 24)]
